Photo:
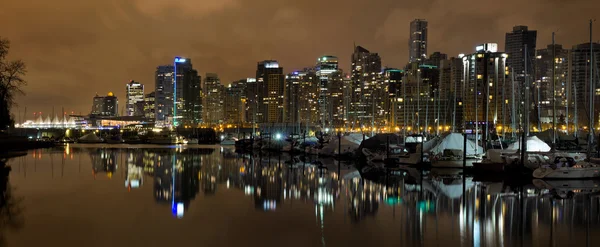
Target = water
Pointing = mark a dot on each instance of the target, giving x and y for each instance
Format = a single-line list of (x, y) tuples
[(85, 195)]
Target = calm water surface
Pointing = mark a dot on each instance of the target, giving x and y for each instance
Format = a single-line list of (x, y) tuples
[(85, 195)]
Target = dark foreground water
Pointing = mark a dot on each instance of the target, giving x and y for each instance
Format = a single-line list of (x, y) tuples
[(209, 196)]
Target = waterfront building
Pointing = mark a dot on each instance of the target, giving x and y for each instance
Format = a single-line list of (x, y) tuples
[(435, 59), (212, 99), (105, 105), (270, 84), (488, 97), (419, 89), (417, 44), (580, 79), (366, 69), (150, 106), (393, 79), (292, 98), (234, 103), (134, 92), (251, 103), (178, 98), (558, 57), (326, 66)]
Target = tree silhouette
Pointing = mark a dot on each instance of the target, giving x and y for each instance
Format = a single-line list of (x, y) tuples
[(11, 210), (11, 83)]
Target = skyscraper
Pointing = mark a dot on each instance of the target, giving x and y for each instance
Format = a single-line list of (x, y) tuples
[(150, 106), (270, 83), (515, 44), (107, 106), (135, 94), (543, 83), (234, 103), (309, 97), (184, 90), (580, 78), (326, 66), (251, 103), (393, 79), (436, 58), (212, 99), (487, 97), (366, 67), (417, 44), (292, 98)]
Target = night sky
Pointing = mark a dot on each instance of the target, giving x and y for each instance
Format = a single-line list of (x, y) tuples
[(75, 49)]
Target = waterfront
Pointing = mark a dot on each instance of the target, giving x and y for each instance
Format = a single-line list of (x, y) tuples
[(119, 195)]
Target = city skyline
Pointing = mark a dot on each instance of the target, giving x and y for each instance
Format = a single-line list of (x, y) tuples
[(122, 38)]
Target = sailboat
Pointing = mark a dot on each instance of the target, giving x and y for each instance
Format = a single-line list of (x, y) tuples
[(582, 169)]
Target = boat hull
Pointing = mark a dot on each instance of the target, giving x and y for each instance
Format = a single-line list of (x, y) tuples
[(567, 173)]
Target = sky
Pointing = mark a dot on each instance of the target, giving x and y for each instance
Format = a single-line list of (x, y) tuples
[(74, 49)]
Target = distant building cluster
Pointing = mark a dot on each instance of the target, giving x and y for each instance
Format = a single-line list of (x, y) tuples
[(499, 90)]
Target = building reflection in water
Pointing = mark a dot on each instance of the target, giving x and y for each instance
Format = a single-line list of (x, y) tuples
[(425, 204)]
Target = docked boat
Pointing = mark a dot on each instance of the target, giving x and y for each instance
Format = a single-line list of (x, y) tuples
[(449, 151), (568, 170), (342, 146), (133, 140), (116, 139), (90, 138), (192, 140), (163, 139), (229, 140)]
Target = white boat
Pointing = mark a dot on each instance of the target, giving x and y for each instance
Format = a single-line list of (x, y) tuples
[(163, 139), (90, 138), (193, 140), (448, 152), (564, 170), (228, 141), (348, 144)]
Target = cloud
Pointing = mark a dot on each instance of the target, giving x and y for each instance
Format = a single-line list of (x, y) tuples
[(188, 7), (77, 48)]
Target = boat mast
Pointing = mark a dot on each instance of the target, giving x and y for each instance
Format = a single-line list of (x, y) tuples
[(525, 111), (514, 113), (553, 93), (455, 102), (476, 107), (591, 111), (418, 100)]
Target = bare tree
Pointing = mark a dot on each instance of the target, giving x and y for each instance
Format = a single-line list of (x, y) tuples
[(11, 84)]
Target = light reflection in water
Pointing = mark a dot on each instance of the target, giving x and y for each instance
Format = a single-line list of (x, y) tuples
[(419, 209)]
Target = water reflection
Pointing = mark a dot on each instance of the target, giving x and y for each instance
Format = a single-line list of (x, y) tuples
[(406, 207)]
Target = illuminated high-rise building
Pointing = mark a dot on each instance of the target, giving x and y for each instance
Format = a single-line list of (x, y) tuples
[(417, 44), (150, 106), (212, 99), (488, 97), (251, 103), (543, 84), (580, 79), (234, 104), (292, 98), (326, 66), (135, 94), (366, 67), (182, 90), (309, 112), (270, 84), (392, 78), (105, 105), (521, 64)]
